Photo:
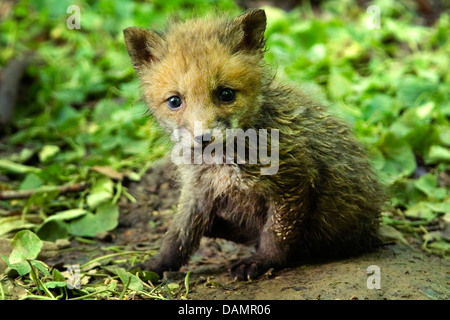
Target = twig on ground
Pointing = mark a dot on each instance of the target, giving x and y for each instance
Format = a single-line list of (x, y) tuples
[(24, 194)]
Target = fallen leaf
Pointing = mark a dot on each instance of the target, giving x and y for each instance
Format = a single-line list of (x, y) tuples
[(390, 233), (109, 172)]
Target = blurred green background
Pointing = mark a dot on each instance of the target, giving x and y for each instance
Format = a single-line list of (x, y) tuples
[(79, 118)]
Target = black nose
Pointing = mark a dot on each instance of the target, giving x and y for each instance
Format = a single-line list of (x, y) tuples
[(203, 138)]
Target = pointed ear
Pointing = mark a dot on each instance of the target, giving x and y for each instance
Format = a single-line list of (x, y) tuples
[(142, 46), (253, 23)]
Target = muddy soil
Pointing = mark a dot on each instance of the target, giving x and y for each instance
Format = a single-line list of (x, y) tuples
[(405, 272)]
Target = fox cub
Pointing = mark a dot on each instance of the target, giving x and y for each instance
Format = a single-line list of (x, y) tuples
[(323, 200)]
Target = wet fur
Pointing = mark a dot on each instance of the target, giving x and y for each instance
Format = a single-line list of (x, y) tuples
[(324, 201)]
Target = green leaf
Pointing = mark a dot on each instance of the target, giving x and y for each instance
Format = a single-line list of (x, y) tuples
[(26, 246), (55, 284), (148, 276), (399, 158), (442, 207), (125, 276), (9, 224), (444, 134), (56, 172), (424, 111), (67, 215), (102, 191), (376, 158), (12, 167), (131, 146), (443, 247), (421, 211), (378, 108), (67, 115), (106, 218), (412, 88), (43, 196), (438, 154), (387, 231), (339, 86), (41, 267), (25, 154), (428, 185), (31, 181), (48, 152), (53, 230), (57, 276), (173, 286), (55, 227), (21, 267), (422, 137)]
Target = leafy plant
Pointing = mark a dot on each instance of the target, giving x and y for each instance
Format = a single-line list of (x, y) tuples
[(26, 247), (391, 83), (81, 129)]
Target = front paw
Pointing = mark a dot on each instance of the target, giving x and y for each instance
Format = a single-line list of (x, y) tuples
[(249, 268)]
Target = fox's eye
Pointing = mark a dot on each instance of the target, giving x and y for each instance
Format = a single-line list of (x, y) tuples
[(174, 102), (227, 95)]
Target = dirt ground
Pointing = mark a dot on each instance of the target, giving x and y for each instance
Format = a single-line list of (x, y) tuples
[(405, 272)]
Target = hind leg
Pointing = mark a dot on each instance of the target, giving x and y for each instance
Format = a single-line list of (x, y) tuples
[(229, 230), (276, 244)]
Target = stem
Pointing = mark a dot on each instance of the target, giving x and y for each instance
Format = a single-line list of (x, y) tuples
[(2, 293), (118, 192), (83, 240), (24, 194), (90, 294), (34, 277), (33, 296), (111, 256), (24, 212), (160, 297), (125, 288), (186, 283), (144, 169), (39, 283), (128, 196)]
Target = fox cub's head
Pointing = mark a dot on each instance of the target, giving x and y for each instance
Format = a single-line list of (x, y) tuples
[(207, 70)]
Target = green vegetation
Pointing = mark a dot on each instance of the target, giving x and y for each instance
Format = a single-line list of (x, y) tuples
[(80, 120), (393, 85)]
